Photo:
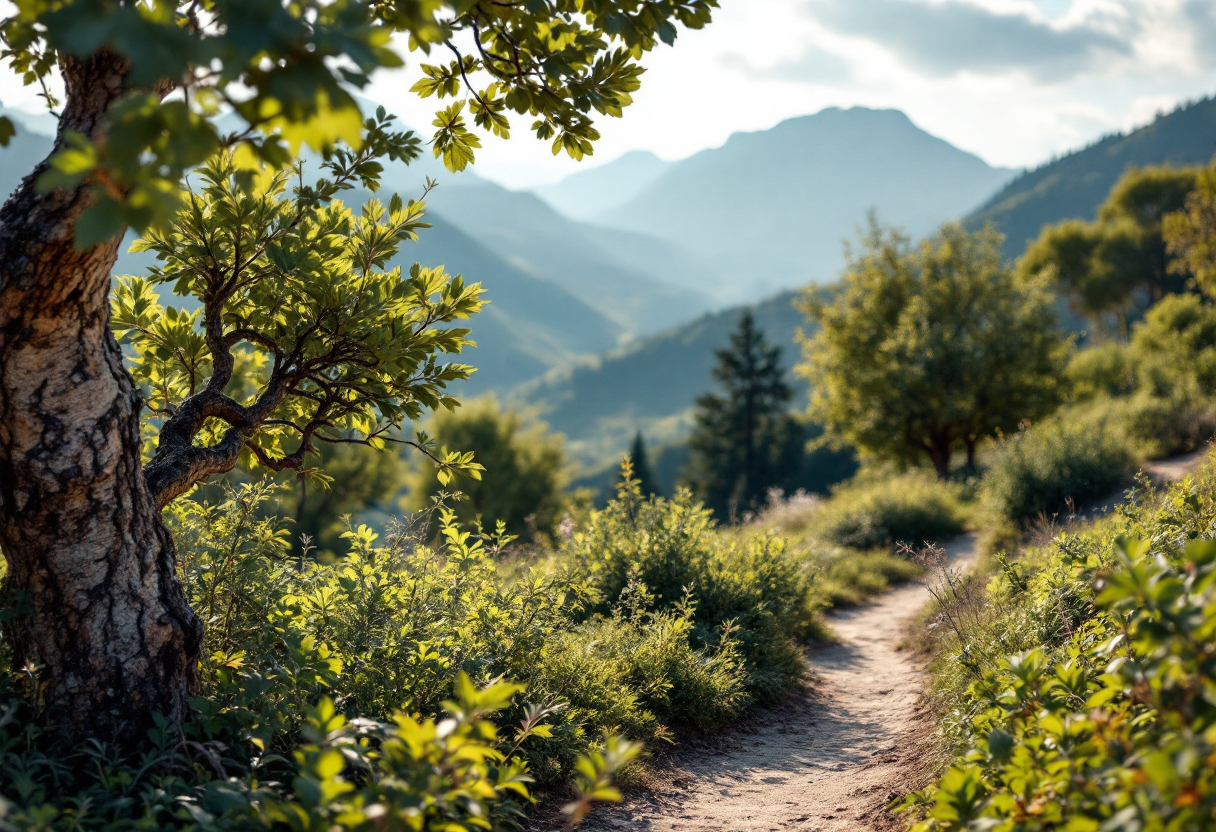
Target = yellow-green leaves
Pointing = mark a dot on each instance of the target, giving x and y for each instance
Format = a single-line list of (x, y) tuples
[(285, 70), (306, 332), (453, 140), (7, 130), (593, 782)]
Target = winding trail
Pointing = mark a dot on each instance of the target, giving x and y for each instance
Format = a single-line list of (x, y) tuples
[(829, 758)]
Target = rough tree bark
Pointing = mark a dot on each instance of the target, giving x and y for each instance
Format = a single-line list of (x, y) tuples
[(79, 529)]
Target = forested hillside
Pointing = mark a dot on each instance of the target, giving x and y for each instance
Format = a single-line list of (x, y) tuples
[(1076, 184), (649, 386)]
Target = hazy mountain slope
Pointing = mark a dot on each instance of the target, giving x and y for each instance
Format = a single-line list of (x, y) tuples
[(651, 385), (770, 209), (1075, 185), (530, 325), (590, 193), (667, 261), (522, 228), (24, 151)]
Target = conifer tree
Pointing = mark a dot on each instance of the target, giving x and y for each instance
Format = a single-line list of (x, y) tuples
[(642, 472), (742, 440)]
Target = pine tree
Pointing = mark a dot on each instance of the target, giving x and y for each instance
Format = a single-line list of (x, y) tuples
[(743, 441), (647, 484)]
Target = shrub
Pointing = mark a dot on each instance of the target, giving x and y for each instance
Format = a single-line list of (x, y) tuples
[(326, 696), (847, 577), (1104, 370), (912, 508), (751, 586), (1037, 472), (1082, 698), (525, 478), (1157, 390)]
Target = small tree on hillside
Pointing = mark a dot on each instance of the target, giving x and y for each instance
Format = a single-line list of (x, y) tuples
[(525, 469), (1110, 267), (931, 348), (647, 484), (1190, 234), (741, 443)]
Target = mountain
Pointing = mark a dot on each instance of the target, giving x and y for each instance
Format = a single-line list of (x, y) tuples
[(769, 210), (25, 150), (526, 231), (589, 193), (531, 325), (649, 385), (1073, 186)]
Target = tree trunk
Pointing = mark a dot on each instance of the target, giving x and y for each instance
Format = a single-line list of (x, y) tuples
[(939, 455), (970, 443), (79, 529)]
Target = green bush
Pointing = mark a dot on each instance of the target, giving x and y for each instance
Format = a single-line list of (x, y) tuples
[(525, 476), (750, 587), (1105, 370), (1159, 391), (1038, 472), (326, 687), (848, 577), (911, 508), (1081, 698)]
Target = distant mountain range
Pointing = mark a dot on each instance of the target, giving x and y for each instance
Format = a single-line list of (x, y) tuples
[(591, 194), (770, 210), (1074, 185), (651, 385), (640, 283)]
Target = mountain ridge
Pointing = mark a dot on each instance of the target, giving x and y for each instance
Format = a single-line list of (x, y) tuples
[(1072, 186), (768, 210)]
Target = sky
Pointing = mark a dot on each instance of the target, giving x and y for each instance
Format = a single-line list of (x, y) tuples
[(1013, 81)]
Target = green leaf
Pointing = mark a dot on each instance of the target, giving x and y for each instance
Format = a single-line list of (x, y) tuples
[(102, 222)]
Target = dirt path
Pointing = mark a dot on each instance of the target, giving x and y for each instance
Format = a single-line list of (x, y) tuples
[(827, 759)]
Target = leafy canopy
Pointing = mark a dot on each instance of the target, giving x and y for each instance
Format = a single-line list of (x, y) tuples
[(1190, 233), (1109, 267), (285, 69), (304, 332), (930, 347)]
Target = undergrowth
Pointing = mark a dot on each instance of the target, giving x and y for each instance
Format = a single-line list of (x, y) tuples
[(367, 692), (1076, 687), (912, 508)]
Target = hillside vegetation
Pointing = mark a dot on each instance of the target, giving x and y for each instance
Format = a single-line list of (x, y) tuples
[(1076, 687), (650, 385), (1073, 186)]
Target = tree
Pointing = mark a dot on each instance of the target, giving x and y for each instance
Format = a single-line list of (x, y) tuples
[(354, 482), (742, 438), (79, 521), (1109, 267), (648, 486), (931, 347), (1190, 234), (525, 469)]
